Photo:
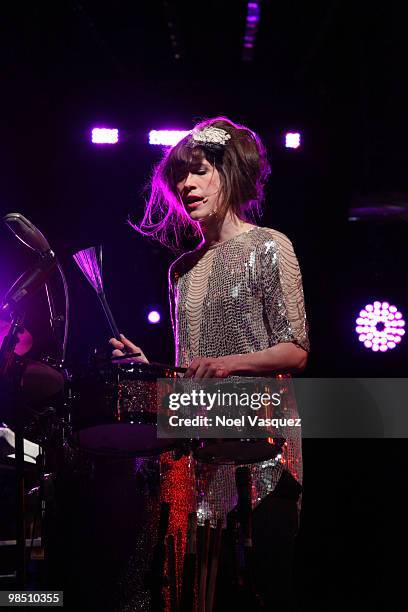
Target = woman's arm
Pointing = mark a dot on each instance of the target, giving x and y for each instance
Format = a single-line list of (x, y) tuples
[(285, 357)]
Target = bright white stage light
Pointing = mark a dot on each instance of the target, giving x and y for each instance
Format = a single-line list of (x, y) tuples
[(166, 137), (292, 140), (105, 136)]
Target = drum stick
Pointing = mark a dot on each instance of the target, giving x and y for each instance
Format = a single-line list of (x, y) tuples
[(126, 356), (189, 566), (109, 315), (155, 364), (214, 567), (204, 566), (171, 555), (89, 262), (163, 365)]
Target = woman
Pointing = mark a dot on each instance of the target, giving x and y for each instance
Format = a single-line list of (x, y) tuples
[(236, 300)]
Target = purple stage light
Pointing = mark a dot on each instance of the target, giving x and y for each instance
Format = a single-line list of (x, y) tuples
[(292, 140), (166, 137), (253, 17), (153, 317), (105, 136), (380, 326)]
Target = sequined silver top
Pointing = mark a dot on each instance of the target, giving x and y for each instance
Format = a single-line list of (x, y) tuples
[(239, 296)]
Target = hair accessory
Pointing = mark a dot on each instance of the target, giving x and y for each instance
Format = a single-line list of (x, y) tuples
[(209, 136)]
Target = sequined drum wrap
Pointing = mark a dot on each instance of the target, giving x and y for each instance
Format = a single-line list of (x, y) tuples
[(239, 296), (135, 396)]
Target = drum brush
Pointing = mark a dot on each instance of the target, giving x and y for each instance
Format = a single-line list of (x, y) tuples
[(90, 263)]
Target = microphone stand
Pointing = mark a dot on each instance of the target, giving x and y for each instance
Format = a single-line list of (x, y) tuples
[(31, 236), (58, 323), (6, 362), (55, 319)]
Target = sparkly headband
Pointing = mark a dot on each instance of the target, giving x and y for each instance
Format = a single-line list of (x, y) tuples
[(209, 136)]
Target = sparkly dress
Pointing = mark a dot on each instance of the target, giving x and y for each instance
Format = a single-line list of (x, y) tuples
[(239, 296)]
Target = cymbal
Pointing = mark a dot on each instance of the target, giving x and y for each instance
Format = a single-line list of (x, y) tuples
[(41, 381), (25, 339)]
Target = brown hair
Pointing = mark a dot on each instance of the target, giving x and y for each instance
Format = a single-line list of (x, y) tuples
[(243, 168)]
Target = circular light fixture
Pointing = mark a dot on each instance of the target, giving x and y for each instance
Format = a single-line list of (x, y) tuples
[(380, 326), (153, 317)]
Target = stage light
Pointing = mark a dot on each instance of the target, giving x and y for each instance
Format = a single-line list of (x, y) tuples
[(153, 317), (166, 137), (292, 140), (105, 136), (380, 327), (253, 17)]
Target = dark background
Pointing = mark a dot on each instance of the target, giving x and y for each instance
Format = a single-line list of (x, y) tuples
[(336, 72)]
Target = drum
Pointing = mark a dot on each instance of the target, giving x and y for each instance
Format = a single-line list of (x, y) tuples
[(40, 402), (235, 451), (242, 450), (113, 409)]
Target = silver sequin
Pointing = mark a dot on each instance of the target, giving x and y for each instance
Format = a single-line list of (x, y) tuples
[(240, 296)]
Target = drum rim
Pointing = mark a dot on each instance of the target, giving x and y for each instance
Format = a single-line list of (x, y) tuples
[(199, 453), (169, 444), (148, 368)]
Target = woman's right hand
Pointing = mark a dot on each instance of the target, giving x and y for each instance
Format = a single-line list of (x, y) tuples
[(132, 348)]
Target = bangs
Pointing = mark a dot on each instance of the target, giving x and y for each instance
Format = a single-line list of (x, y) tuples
[(182, 158)]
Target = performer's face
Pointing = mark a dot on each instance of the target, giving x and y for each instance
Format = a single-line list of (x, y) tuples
[(199, 190)]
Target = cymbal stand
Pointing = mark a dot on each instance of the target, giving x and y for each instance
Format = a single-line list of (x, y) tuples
[(59, 322)]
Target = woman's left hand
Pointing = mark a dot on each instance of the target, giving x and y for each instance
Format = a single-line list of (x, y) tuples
[(210, 367)]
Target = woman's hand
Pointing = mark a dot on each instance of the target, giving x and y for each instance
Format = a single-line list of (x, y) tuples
[(210, 367), (120, 346)]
